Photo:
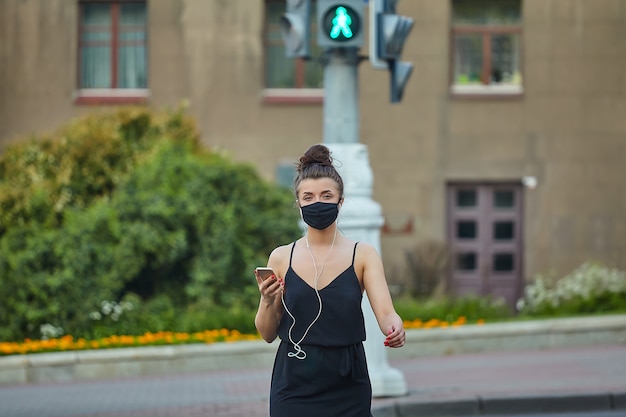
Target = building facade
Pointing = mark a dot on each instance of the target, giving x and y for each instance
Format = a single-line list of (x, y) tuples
[(508, 151)]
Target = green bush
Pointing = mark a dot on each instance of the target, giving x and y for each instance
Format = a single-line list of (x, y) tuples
[(127, 206), (590, 288), (239, 315), (449, 309), (43, 176)]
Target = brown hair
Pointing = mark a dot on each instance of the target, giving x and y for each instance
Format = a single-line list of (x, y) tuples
[(317, 163)]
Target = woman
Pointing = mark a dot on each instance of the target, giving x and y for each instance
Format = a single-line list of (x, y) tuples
[(313, 303)]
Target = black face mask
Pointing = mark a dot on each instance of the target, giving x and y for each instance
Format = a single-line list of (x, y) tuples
[(320, 215)]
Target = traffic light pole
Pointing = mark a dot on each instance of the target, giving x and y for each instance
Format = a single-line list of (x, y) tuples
[(340, 35), (341, 112), (360, 216)]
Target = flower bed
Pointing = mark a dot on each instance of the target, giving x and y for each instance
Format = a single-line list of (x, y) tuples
[(147, 339), (170, 338)]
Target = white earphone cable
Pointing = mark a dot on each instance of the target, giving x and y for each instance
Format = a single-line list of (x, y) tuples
[(299, 352)]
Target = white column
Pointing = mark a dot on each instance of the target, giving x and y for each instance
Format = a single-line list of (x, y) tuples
[(360, 218)]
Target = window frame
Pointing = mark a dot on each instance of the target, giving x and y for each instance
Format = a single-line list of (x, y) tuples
[(485, 88), (299, 94), (113, 95)]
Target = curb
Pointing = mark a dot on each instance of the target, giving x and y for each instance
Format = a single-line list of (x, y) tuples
[(133, 361), (507, 336), (494, 406)]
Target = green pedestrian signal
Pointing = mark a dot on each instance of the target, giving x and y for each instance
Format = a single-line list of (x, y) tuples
[(340, 23)]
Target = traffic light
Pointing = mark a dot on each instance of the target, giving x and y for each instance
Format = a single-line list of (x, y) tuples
[(295, 28), (340, 23), (399, 73), (388, 34)]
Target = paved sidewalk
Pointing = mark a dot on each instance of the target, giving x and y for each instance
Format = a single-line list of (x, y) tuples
[(590, 378), (562, 379)]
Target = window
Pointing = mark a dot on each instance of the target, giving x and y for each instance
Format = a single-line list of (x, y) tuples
[(504, 199), (466, 261), (112, 56), (466, 198), (504, 230), (290, 79), (466, 229), (486, 46)]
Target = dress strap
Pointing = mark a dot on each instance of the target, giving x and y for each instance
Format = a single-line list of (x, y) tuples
[(291, 255), (354, 253)]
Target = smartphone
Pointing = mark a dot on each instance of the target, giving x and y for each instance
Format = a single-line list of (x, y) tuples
[(265, 272)]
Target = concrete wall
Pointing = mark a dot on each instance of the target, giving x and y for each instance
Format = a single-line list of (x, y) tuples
[(568, 129)]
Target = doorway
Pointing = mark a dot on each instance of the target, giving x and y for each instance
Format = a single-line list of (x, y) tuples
[(485, 235)]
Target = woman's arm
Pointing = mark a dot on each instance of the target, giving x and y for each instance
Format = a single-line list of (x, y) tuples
[(375, 284), (270, 309)]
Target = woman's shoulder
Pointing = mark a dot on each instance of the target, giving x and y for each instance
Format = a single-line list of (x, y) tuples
[(282, 251), (362, 248), (366, 254), (365, 248), (366, 259), (279, 258)]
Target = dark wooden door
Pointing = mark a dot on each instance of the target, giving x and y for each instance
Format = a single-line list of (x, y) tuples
[(485, 235)]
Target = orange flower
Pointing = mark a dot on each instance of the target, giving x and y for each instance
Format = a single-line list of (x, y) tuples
[(68, 343)]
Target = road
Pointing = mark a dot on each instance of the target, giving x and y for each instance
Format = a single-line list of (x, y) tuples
[(590, 379), (593, 414)]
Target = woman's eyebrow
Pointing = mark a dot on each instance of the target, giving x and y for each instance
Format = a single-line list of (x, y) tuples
[(321, 192)]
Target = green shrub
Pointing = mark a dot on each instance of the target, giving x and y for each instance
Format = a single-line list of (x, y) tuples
[(590, 288), (150, 219), (83, 161), (239, 316), (449, 309)]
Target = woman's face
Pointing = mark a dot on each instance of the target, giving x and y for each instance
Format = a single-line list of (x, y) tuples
[(312, 190)]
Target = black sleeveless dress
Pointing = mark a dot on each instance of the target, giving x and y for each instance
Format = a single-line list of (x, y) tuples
[(333, 379)]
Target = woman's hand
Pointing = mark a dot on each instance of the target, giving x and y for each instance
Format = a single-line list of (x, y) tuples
[(396, 336), (270, 288), (270, 310)]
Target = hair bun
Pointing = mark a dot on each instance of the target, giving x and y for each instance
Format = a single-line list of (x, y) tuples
[(316, 163), (316, 154)]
